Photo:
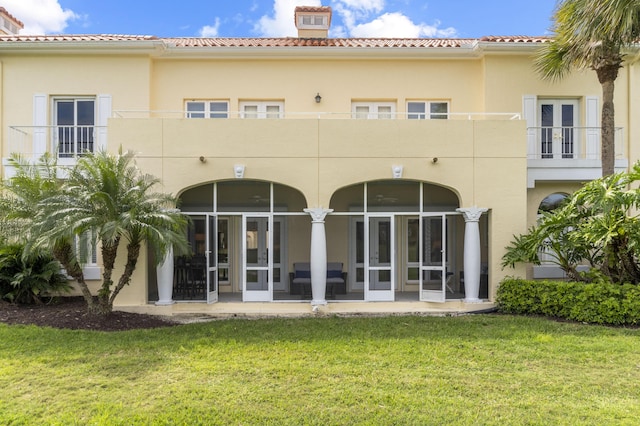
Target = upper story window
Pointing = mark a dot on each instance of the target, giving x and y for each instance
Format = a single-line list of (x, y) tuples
[(373, 110), (207, 109), (315, 20), (74, 121), (261, 109), (557, 121), (421, 110)]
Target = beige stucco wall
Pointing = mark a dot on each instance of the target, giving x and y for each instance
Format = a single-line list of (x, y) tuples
[(482, 161)]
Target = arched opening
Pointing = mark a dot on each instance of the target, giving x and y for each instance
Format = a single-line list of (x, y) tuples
[(400, 240), (241, 234)]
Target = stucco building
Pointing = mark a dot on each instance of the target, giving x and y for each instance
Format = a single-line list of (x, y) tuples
[(406, 164)]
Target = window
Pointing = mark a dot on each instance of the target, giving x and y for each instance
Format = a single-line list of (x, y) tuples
[(420, 110), (74, 121), (207, 109), (310, 21), (558, 122), (261, 109), (373, 110)]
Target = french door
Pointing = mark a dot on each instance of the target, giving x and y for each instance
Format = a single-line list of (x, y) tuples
[(262, 257), (433, 257), (558, 122), (200, 271), (373, 257), (379, 281), (74, 121)]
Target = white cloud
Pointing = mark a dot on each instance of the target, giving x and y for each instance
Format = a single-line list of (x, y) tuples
[(398, 25), (282, 24), (368, 6), (210, 31), (40, 16)]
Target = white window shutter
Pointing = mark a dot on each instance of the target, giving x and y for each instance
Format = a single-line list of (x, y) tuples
[(529, 114), (104, 113), (39, 126), (593, 128)]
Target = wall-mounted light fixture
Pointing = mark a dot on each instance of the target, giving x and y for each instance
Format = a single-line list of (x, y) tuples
[(397, 171), (318, 98), (203, 159), (434, 160), (238, 171)]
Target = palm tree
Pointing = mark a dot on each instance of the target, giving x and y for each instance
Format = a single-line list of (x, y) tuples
[(107, 198), (592, 34), (19, 205)]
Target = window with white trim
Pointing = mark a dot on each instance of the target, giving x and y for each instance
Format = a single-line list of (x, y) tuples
[(74, 121), (207, 109), (261, 109), (433, 110), (373, 110)]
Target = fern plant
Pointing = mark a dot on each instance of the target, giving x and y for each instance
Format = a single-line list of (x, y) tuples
[(29, 279)]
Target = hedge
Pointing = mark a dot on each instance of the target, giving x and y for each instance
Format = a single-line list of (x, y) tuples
[(597, 303)]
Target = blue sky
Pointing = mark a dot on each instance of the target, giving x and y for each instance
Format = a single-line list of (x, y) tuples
[(274, 18)]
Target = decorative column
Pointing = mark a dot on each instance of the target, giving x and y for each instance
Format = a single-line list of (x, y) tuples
[(318, 256), (164, 275), (472, 252)]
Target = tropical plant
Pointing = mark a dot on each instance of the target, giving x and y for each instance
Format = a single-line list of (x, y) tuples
[(20, 202), (107, 198), (598, 225), (29, 278), (593, 34)]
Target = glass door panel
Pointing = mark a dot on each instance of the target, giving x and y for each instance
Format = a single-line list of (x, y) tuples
[(212, 259), (256, 285), (433, 258), (381, 253)]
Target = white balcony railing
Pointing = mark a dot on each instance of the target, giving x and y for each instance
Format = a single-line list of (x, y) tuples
[(65, 141), (321, 115), (569, 143)]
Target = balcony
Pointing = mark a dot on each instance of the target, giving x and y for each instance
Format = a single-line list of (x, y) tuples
[(568, 154), (68, 142)]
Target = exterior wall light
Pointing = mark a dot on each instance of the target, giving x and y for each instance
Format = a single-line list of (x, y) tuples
[(397, 171), (318, 98), (238, 171)]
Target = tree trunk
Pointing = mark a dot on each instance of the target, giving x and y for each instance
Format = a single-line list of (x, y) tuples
[(64, 253), (133, 252), (607, 76), (109, 253)]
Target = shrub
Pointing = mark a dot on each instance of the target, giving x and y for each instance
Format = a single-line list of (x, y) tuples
[(29, 279), (598, 303)]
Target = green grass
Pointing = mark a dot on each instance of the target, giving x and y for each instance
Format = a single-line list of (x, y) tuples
[(395, 370)]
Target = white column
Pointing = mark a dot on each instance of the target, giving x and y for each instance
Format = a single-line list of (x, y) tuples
[(164, 276), (472, 253), (318, 256)]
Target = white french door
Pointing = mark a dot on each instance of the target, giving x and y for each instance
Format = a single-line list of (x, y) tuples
[(433, 257), (212, 258), (262, 257), (558, 122), (380, 254), (373, 257)]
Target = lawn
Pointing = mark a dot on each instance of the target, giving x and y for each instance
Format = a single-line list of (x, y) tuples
[(483, 369)]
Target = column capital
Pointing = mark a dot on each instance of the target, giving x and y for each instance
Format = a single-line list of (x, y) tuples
[(318, 214), (472, 214)]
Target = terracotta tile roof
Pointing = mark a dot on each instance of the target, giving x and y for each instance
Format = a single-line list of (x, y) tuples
[(74, 37), (312, 9), (19, 22), (321, 42), (221, 42), (515, 39)]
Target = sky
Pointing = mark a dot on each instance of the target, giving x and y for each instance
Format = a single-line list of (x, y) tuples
[(274, 18)]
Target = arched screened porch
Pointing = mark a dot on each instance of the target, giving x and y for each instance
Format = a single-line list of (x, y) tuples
[(401, 240), (242, 234), (391, 239)]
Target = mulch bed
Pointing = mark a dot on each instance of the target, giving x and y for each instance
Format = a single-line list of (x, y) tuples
[(71, 313)]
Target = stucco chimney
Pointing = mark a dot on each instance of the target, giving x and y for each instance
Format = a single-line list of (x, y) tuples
[(9, 24), (313, 22)]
